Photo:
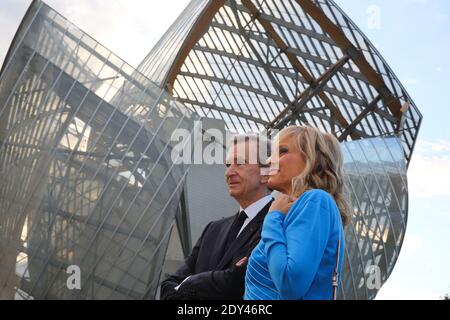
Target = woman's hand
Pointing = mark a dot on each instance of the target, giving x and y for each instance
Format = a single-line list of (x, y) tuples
[(282, 204)]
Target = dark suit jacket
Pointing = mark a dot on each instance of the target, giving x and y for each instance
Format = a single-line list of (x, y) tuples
[(214, 275)]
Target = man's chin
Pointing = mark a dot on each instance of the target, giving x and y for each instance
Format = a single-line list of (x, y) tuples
[(233, 193)]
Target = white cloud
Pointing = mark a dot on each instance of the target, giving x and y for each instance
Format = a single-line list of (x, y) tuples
[(388, 292), (128, 28), (11, 13), (429, 171), (410, 81), (433, 147), (412, 244), (418, 271)]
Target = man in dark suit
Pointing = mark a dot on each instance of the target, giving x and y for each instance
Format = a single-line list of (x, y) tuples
[(214, 269)]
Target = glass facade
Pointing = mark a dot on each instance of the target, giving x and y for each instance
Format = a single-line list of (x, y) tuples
[(264, 64), (376, 179), (375, 174), (260, 65), (87, 175)]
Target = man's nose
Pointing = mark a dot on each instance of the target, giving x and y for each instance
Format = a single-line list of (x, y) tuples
[(230, 171)]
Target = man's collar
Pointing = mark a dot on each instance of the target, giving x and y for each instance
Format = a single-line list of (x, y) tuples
[(253, 209)]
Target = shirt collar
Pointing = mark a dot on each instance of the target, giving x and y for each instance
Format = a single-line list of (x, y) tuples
[(253, 209)]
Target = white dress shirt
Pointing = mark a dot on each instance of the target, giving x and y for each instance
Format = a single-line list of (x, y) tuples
[(253, 209)]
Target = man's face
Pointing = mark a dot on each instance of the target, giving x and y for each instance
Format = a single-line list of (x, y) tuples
[(243, 175)]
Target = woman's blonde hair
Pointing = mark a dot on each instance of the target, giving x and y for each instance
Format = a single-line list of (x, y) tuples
[(324, 165)]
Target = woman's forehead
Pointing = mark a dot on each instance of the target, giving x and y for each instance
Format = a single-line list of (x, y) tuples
[(281, 139)]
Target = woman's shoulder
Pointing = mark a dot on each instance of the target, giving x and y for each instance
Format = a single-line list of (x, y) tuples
[(318, 199), (318, 195), (310, 203)]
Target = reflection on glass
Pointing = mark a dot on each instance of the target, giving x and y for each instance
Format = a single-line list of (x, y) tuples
[(87, 177)]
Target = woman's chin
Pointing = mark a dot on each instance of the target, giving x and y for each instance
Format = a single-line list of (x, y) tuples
[(277, 184), (273, 184)]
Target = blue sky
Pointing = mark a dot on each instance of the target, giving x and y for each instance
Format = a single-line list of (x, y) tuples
[(412, 36)]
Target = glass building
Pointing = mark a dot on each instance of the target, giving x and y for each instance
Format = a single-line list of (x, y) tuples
[(88, 176)]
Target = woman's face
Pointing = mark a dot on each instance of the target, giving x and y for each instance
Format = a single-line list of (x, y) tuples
[(286, 163)]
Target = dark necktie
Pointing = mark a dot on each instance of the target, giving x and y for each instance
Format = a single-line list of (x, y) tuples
[(237, 225)]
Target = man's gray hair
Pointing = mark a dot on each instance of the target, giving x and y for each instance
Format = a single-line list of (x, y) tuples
[(262, 143)]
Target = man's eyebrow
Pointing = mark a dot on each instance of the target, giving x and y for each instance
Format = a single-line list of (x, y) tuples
[(235, 159)]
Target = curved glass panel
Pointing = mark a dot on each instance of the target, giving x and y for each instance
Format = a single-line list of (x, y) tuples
[(87, 177)]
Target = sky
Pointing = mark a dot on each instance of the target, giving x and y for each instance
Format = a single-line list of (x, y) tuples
[(411, 35)]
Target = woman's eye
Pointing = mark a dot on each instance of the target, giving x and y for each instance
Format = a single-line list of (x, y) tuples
[(283, 150)]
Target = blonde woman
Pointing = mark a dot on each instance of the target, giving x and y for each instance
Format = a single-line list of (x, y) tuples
[(302, 239)]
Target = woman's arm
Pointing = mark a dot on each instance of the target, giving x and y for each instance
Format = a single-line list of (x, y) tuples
[(295, 244)]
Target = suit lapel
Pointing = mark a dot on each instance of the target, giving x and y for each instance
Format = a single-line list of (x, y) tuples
[(218, 254), (243, 238)]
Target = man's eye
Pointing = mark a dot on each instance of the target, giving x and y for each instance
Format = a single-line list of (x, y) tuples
[(227, 165)]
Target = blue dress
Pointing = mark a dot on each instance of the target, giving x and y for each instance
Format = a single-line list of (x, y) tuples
[(296, 256)]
